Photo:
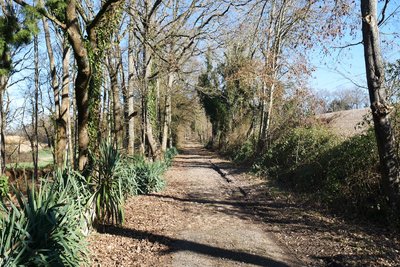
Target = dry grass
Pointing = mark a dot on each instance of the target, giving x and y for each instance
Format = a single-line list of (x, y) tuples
[(346, 123)]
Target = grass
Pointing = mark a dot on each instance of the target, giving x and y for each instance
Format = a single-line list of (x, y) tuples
[(45, 159)]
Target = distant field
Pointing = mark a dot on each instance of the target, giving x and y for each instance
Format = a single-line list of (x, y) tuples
[(346, 123), (18, 153)]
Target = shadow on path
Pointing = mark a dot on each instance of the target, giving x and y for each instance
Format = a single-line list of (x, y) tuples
[(176, 245)]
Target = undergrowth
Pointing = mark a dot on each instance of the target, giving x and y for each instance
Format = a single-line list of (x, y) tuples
[(343, 175)]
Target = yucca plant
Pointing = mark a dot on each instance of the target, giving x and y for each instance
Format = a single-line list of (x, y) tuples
[(149, 176), (4, 187), (53, 226), (169, 155), (106, 185), (12, 236), (127, 173)]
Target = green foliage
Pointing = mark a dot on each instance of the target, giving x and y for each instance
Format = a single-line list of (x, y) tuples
[(45, 228), (106, 186), (12, 235), (169, 155), (4, 187), (244, 152), (57, 8), (225, 94), (344, 175), (296, 157), (127, 173), (15, 30), (149, 175)]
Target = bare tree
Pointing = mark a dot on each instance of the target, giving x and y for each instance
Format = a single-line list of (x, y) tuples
[(381, 109)]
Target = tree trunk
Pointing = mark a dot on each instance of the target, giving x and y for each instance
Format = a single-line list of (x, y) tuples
[(381, 110), (116, 103), (131, 88), (167, 112), (64, 125), (153, 144), (35, 145), (59, 143), (65, 117), (3, 85), (81, 83)]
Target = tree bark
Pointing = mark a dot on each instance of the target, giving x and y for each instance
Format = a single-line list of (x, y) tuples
[(167, 112), (116, 103), (81, 82), (35, 115), (3, 85), (64, 117), (60, 136), (131, 87), (381, 110)]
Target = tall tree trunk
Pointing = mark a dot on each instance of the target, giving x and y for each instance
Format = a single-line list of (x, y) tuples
[(152, 142), (81, 82), (35, 146), (3, 85), (58, 144), (116, 103), (381, 110), (64, 132), (167, 112), (131, 87)]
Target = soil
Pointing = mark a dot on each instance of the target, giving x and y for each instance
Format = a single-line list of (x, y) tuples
[(214, 214)]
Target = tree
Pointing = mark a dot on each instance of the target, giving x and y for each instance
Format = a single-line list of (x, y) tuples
[(381, 109), (87, 54), (15, 31)]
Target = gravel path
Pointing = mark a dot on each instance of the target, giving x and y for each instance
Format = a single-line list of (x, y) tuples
[(196, 221), (214, 214)]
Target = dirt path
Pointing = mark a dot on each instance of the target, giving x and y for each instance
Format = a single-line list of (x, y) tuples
[(200, 219), (197, 221)]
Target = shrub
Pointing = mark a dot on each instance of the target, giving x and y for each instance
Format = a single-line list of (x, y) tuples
[(53, 226), (352, 179), (295, 160), (344, 175), (169, 155), (127, 174), (244, 152), (4, 188), (149, 175), (12, 236), (106, 186)]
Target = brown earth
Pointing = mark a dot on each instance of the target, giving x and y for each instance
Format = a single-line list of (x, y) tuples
[(204, 218)]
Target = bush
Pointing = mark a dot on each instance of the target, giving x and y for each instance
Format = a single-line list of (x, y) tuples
[(344, 175), (12, 236), (4, 188), (106, 186), (149, 175), (44, 229), (352, 181), (295, 160), (169, 155), (244, 152), (127, 174)]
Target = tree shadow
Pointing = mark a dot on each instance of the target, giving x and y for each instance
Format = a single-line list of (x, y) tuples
[(176, 245), (303, 221)]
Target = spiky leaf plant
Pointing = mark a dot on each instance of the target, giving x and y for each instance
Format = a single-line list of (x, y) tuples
[(149, 175), (127, 173), (53, 224), (12, 235), (106, 186)]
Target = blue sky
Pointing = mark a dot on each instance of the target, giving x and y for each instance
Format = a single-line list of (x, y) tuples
[(339, 70), (345, 66)]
